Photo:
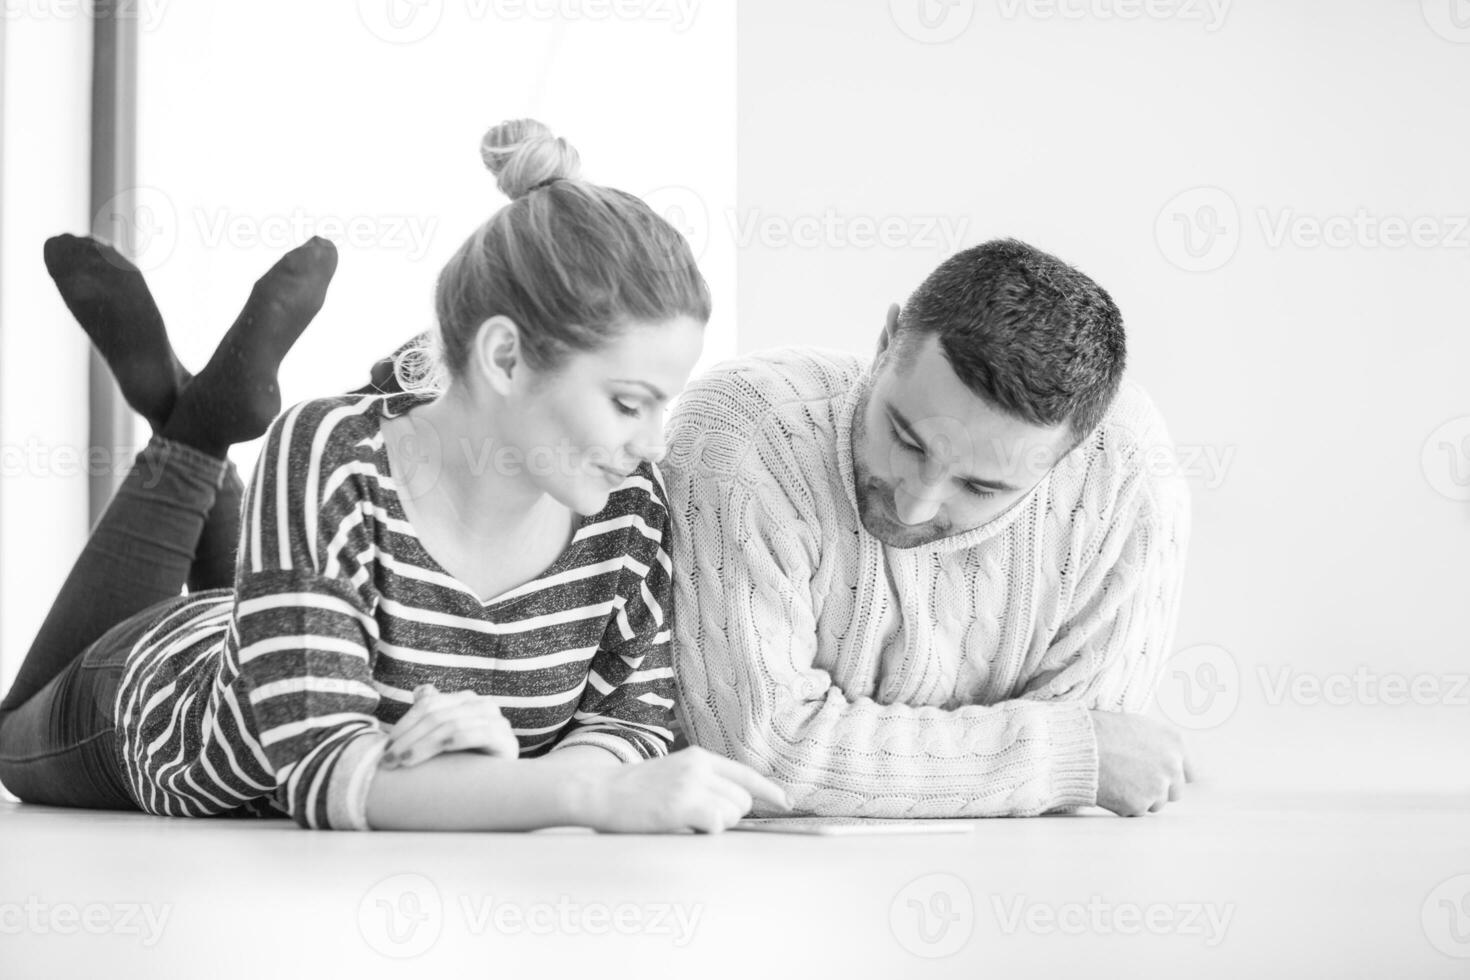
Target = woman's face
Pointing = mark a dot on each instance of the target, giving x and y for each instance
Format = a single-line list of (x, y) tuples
[(580, 429)]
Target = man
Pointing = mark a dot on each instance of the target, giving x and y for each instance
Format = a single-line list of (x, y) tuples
[(944, 583)]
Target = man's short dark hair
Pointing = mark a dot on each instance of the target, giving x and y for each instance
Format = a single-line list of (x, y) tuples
[(1024, 331)]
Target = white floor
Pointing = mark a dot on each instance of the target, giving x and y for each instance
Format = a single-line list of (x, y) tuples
[(1216, 887)]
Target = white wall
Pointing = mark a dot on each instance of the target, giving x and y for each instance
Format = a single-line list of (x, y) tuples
[(263, 122), (1327, 534), (43, 353)]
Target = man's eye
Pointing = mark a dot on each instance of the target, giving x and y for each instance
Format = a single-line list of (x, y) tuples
[(902, 441), (978, 491), (632, 411)]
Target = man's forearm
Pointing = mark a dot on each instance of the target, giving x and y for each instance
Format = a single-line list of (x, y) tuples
[(839, 758)]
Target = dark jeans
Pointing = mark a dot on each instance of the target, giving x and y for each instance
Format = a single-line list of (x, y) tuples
[(174, 521), (57, 742)]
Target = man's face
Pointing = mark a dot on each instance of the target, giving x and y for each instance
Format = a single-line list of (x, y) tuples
[(932, 459)]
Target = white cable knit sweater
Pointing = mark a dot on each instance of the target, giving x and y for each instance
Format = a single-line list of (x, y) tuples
[(951, 679)]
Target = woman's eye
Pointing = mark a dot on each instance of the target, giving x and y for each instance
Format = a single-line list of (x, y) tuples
[(632, 411), (975, 491)]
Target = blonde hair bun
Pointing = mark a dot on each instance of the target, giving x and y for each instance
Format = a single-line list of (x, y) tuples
[(523, 153)]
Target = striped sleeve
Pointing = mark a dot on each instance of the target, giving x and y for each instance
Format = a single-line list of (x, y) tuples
[(627, 706), (303, 628)]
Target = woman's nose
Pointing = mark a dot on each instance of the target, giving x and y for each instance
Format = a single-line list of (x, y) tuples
[(652, 444), (653, 454), (650, 450)]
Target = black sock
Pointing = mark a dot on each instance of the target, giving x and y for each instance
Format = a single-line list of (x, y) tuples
[(236, 397), (107, 295)]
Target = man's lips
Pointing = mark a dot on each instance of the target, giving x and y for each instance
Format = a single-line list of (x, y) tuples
[(885, 503)]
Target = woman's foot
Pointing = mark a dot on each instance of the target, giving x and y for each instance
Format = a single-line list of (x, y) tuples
[(236, 396), (109, 298)]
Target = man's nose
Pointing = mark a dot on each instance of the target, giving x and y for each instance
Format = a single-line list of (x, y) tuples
[(916, 502)]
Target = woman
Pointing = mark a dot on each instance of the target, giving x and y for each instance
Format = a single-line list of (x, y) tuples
[(450, 604)]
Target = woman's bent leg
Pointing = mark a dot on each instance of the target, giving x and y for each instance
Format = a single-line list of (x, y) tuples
[(55, 722), (139, 554), (214, 557), (59, 748)]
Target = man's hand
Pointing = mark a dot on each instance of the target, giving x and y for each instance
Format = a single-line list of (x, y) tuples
[(1141, 763)]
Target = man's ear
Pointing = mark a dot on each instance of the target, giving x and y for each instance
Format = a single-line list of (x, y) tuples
[(496, 353), (890, 330)]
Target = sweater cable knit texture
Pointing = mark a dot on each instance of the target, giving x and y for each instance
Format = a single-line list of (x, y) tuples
[(950, 679)]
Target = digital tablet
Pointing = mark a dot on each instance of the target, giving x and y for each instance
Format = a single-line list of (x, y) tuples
[(852, 825)]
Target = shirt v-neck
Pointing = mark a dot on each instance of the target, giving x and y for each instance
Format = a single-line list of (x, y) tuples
[(396, 405)]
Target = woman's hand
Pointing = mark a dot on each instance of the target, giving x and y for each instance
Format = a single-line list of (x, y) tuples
[(459, 722), (692, 789)]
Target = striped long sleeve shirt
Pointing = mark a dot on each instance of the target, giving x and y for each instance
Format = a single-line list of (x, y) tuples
[(277, 696)]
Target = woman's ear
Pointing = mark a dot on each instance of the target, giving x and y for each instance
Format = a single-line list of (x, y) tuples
[(496, 353)]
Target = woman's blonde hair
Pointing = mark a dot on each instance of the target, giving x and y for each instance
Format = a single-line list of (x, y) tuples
[(568, 261)]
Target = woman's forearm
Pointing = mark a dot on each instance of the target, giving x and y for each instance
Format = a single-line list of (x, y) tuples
[(470, 791)]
